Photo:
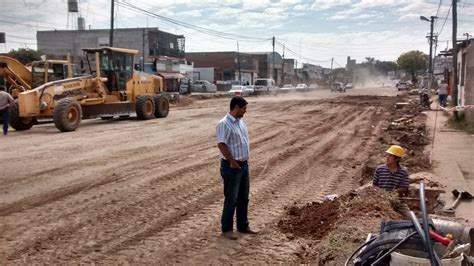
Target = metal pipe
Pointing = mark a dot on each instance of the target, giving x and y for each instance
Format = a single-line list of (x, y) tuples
[(426, 227)]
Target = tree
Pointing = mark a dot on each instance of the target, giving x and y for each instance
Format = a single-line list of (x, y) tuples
[(412, 62), (25, 56)]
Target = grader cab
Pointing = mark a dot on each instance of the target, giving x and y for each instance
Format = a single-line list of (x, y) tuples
[(112, 88), (21, 77)]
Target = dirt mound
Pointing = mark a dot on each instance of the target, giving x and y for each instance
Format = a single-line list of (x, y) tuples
[(312, 220), (184, 101), (333, 229), (207, 96), (315, 220)]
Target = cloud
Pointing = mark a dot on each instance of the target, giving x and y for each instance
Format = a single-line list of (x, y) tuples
[(328, 4)]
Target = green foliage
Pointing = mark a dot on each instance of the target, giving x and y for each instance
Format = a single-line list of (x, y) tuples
[(25, 56), (412, 62), (375, 66)]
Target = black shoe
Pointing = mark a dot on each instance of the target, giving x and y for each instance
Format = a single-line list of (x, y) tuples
[(229, 235), (248, 231)]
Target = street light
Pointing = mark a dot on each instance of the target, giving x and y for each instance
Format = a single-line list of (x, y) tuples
[(424, 18), (431, 20)]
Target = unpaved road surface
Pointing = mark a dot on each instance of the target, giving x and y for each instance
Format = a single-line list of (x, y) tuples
[(150, 191)]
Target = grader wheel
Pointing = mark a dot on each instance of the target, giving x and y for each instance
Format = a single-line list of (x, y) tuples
[(162, 106), (144, 107), (17, 122), (67, 114)]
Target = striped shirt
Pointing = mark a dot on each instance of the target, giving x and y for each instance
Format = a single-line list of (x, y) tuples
[(233, 133), (384, 178)]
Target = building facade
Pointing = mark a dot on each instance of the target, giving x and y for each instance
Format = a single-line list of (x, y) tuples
[(168, 50), (466, 78), (226, 66)]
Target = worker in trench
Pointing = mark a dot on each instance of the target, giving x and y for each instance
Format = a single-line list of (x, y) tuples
[(233, 143), (392, 176)]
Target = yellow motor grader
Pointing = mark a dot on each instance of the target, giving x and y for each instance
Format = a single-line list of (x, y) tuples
[(20, 77), (112, 88)]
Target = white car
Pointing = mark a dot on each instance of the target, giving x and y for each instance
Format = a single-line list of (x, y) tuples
[(203, 86), (313, 87), (239, 90), (287, 88), (301, 87), (250, 89), (265, 86)]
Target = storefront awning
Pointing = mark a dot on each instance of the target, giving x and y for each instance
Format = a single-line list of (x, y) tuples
[(171, 75)]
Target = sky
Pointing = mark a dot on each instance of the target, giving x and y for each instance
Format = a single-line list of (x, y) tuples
[(310, 31)]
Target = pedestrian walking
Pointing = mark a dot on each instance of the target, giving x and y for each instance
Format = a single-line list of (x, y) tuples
[(443, 93), (233, 143), (5, 100), (391, 175)]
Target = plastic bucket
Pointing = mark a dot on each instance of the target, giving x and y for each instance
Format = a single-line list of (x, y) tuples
[(417, 258)]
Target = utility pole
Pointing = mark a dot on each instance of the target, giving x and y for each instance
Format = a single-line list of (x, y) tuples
[(143, 50), (111, 37), (273, 60), (238, 61), (455, 56), (430, 68), (332, 62), (283, 66)]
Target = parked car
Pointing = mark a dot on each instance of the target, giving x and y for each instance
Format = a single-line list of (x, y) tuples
[(238, 90), (265, 86), (348, 86), (337, 86), (203, 86), (402, 85), (250, 89), (287, 88), (313, 86), (301, 87)]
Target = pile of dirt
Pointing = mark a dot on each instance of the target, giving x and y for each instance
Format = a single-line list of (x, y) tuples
[(203, 96), (333, 229), (184, 101)]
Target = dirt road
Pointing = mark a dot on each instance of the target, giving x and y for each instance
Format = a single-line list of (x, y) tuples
[(150, 191)]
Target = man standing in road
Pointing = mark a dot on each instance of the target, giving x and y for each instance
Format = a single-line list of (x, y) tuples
[(233, 143), (443, 93), (5, 100), (391, 175)]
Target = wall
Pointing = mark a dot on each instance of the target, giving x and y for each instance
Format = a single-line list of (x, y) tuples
[(468, 90), (56, 44), (204, 73)]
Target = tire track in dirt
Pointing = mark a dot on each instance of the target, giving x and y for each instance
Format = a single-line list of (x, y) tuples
[(286, 192), (79, 224), (281, 176), (146, 223)]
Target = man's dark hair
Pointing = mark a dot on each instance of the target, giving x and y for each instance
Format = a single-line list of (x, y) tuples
[(3, 64), (237, 101), (3, 88)]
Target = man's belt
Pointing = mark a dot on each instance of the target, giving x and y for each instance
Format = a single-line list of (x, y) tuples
[(239, 162)]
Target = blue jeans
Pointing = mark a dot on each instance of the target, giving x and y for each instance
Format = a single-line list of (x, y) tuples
[(236, 196), (442, 99), (4, 115)]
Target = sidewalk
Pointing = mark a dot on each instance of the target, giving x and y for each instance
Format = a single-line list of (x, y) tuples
[(453, 162)]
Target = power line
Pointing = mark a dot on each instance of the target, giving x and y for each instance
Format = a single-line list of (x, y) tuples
[(444, 23), (190, 26)]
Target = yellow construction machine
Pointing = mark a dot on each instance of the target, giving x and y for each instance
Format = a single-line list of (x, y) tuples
[(112, 88), (20, 78)]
